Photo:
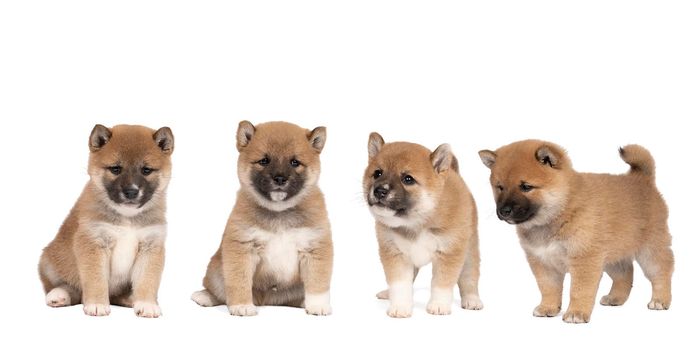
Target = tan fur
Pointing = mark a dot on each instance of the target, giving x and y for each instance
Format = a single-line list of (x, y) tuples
[(441, 228), (586, 224), (78, 260), (245, 271)]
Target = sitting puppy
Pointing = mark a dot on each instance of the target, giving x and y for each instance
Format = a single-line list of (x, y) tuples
[(583, 224), (424, 213), (277, 248), (110, 249)]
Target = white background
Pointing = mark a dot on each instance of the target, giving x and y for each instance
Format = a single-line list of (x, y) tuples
[(590, 75)]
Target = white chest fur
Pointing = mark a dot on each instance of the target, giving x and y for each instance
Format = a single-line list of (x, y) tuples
[(280, 250), (420, 250), (550, 253)]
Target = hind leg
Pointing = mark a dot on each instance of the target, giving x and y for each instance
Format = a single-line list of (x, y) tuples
[(621, 273), (469, 279), (657, 264), (62, 295)]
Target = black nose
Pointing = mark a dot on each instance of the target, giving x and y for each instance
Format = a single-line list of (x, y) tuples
[(279, 179), (131, 193), (380, 192), (505, 211)]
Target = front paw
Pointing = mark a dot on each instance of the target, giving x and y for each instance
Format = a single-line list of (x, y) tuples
[(400, 310), (438, 308), (657, 304), (318, 310), (543, 310), (96, 309), (573, 316), (146, 309), (243, 310), (472, 302)]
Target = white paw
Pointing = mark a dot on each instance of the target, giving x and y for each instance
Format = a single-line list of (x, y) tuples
[(146, 309), (576, 317), (318, 303), (400, 310), (243, 310), (383, 295), (203, 298), (438, 308), (96, 309), (318, 310), (658, 305), (58, 297), (472, 302)]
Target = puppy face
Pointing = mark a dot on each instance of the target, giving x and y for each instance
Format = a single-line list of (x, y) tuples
[(529, 181), (403, 180), (278, 162), (130, 165)]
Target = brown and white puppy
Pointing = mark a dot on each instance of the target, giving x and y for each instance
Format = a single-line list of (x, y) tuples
[(110, 248), (583, 224), (424, 213), (277, 248)]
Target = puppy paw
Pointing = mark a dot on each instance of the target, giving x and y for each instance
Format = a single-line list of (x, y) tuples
[(472, 302), (146, 309), (611, 300), (58, 297), (400, 310), (203, 298), (243, 310), (96, 309), (318, 310), (546, 311), (383, 295), (438, 308), (572, 316), (656, 304)]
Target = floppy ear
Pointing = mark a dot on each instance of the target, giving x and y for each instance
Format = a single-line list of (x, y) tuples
[(442, 158), (165, 140), (244, 134), (317, 138), (550, 156), (374, 145), (99, 137), (487, 157)]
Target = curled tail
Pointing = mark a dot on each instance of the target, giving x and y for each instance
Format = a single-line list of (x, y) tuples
[(640, 160)]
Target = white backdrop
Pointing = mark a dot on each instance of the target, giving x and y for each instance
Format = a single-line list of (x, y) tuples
[(590, 75)]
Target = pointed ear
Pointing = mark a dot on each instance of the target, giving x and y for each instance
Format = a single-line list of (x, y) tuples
[(317, 138), (487, 157), (374, 145), (442, 158), (99, 137), (165, 140), (550, 156), (244, 134)]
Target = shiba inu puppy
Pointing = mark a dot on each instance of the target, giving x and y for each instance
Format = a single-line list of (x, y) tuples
[(424, 214), (583, 224), (277, 248), (110, 248)]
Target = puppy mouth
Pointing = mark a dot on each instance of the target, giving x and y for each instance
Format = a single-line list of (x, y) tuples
[(518, 221), (278, 196), (387, 209)]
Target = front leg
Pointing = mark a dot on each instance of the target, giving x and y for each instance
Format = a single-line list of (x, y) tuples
[(145, 279), (315, 268), (550, 282), (446, 270), (93, 268), (238, 267), (399, 277), (586, 273)]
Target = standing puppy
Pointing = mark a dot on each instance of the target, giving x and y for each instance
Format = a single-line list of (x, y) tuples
[(277, 248), (110, 248), (583, 224), (424, 213)]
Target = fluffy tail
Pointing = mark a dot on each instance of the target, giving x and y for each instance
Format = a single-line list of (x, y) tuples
[(640, 160)]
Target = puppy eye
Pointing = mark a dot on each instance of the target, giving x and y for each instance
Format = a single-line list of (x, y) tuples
[(499, 188), (377, 174), (115, 169), (294, 163), (408, 180), (264, 162), (146, 171), (525, 187)]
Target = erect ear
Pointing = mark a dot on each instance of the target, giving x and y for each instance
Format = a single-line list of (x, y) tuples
[(487, 157), (374, 145), (317, 138), (244, 134), (99, 137), (551, 156), (442, 158), (165, 140)]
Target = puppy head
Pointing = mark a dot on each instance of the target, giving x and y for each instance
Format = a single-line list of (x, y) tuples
[(403, 181), (130, 165), (279, 162), (529, 181)]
